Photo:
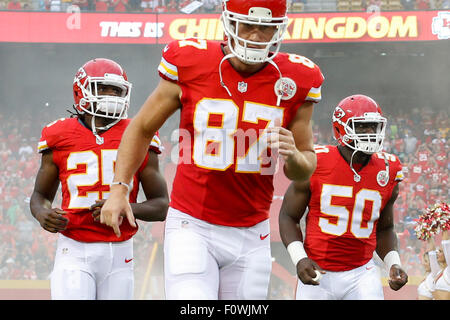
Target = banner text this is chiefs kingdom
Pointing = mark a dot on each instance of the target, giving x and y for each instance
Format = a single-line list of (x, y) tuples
[(51, 27)]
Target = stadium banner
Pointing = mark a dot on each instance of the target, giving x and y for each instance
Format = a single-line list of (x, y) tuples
[(79, 27)]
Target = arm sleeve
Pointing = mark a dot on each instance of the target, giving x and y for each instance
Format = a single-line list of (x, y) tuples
[(434, 265), (315, 94), (446, 248), (155, 144), (168, 66), (52, 136)]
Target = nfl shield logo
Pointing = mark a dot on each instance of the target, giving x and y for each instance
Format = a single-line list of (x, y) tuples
[(242, 86)]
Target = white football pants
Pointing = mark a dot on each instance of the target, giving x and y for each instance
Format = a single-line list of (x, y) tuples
[(206, 261), (92, 271), (362, 283)]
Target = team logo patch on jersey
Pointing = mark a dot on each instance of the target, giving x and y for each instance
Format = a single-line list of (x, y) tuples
[(383, 178), (242, 86), (286, 88)]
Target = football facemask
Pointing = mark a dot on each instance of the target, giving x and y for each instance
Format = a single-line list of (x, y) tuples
[(88, 98)]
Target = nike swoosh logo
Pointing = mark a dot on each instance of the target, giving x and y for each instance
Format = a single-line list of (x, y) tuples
[(263, 237), (368, 268), (128, 260)]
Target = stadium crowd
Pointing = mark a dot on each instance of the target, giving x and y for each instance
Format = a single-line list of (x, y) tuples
[(214, 6), (419, 138)]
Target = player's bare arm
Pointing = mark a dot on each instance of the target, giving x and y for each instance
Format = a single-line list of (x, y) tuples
[(387, 242), (296, 144), (292, 210), (45, 188), (159, 106), (294, 205), (155, 190)]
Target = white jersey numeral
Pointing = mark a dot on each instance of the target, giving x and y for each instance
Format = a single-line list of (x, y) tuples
[(215, 146), (197, 43), (295, 58), (387, 156), (96, 168), (340, 219)]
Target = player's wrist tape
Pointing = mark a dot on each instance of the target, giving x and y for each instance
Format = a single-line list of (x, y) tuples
[(296, 251), (391, 258), (122, 184)]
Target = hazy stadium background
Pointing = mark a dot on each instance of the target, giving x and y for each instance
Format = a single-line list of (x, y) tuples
[(36, 84)]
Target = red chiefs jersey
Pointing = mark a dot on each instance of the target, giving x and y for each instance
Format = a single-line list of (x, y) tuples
[(85, 171), (343, 214), (222, 175)]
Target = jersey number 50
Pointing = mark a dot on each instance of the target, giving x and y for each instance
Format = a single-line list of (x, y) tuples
[(358, 227)]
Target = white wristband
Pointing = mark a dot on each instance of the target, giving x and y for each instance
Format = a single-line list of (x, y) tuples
[(122, 184), (296, 251), (391, 258)]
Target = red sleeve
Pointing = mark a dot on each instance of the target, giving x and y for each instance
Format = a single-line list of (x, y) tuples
[(50, 135), (181, 59), (315, 92), (168, 67), (397, 170), (305, 79), (156, 145)]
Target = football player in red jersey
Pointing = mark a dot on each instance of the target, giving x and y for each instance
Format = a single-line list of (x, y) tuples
[(237, 99), (350, 200), (80, 153)]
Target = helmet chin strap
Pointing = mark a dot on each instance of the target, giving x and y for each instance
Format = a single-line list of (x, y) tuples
[(98, 139), (356, 177), (228, 56), (277, 92)]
